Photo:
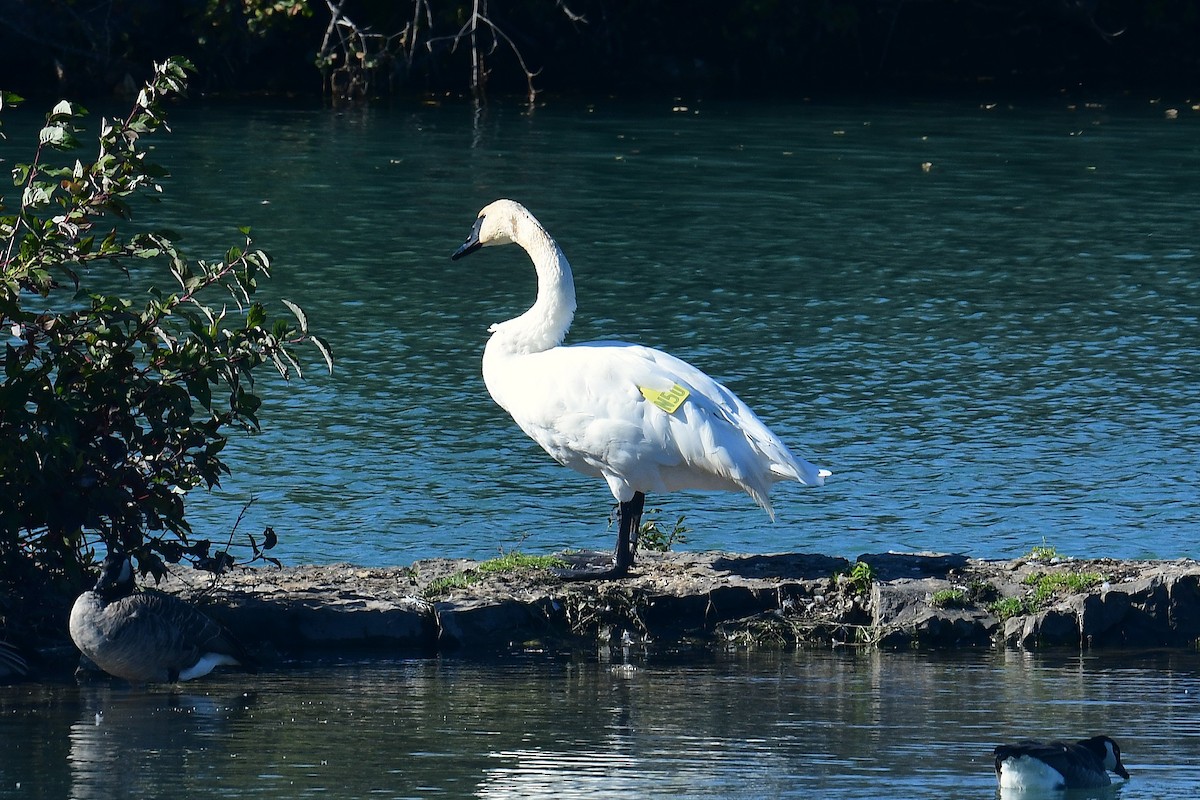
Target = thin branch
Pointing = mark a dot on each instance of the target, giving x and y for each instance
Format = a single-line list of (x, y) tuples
[(571, 15), (478, 73)]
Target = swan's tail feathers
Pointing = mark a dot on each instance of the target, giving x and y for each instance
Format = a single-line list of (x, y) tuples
[(802, 471), (763, 501)]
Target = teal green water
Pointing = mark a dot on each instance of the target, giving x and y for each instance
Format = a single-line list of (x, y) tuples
[(994, 352), (990, 354), (839, 725)]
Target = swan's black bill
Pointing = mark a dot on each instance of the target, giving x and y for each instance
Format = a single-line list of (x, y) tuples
[(471, 244)]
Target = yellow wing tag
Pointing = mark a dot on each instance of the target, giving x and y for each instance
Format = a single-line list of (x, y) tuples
[(669, 400)]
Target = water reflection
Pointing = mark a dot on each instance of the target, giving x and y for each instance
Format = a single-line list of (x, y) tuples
[(809, 724), (1102, 793), (126, 740), (537, 774)]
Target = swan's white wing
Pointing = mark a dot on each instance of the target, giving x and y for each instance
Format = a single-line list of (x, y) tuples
[(738, 414), (585, 406)]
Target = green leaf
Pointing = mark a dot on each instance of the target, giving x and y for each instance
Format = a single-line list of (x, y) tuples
[(198, 386), (55, 136), (279, 365), (49, 133), (36, 196), (325, 350), (256, 316), (281, 330), (299, 314), (295, 364)]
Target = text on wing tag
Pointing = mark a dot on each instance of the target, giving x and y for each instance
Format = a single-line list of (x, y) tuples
[(669, 400)]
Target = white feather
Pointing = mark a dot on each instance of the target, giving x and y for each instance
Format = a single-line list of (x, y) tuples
[(206, 664), (1028, 774)]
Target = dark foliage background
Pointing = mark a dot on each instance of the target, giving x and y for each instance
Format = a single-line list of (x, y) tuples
[(734, 46)]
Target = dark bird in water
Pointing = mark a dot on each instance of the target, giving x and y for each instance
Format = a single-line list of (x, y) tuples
[(147, 636), (1045, 766)]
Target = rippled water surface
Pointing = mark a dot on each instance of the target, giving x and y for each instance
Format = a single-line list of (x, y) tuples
[(807, 724), (993, 351)]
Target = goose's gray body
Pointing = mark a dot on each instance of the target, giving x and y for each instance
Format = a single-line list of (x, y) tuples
[(147, 636), (1033, 765)]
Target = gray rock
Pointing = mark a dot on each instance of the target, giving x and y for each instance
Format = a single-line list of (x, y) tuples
[(782, 598)]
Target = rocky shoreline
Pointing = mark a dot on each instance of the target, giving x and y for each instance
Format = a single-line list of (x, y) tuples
[(888, 600)]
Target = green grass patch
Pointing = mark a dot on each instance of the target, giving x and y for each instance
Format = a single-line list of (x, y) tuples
[(441, 587), (1042, 552), (509, 562), (1044, 588), (1047, 586), (950, 598), (977, 592), (1008, 607), (515, 562)]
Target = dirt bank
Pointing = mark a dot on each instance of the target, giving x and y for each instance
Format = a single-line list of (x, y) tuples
[(886, 600)]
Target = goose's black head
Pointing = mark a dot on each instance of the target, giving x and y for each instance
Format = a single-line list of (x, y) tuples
[(116, 577), (1109, 753)]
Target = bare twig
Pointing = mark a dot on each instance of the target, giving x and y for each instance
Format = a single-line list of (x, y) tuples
[(479, 73), (351, 56), (571, 15)]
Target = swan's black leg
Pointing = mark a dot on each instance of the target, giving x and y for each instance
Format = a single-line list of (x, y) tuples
[(629, 519)]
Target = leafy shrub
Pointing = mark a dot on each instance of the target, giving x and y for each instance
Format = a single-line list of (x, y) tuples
[(653, 536), (858, 579), (112, 409)]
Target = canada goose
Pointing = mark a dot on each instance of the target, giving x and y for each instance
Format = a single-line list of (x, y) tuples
[(1032, 765), (147, 636), (643, 420)]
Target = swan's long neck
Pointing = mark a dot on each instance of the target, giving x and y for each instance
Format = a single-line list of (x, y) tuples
[(546, 323)]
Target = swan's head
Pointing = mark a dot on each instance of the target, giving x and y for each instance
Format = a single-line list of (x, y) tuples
[(497, 224)]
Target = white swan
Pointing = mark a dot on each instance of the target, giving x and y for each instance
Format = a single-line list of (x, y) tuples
[(643, 420)]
